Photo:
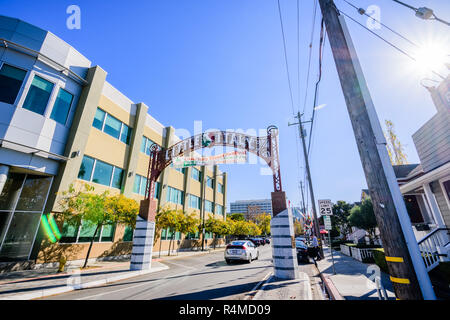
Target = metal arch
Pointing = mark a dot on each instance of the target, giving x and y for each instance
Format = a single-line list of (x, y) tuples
[(264, 147)]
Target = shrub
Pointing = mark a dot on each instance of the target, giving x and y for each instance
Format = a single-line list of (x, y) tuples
[(380, 259)]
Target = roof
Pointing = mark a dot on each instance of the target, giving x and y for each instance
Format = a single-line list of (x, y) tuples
[(402, 171)]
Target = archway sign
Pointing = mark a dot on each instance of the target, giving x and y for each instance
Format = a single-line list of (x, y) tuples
[(265, 147)]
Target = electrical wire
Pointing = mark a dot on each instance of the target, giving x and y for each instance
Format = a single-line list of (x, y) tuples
[(386, 41), (285, 57), (363, 12)]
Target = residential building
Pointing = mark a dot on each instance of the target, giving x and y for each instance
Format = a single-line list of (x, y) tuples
[(62, 123)]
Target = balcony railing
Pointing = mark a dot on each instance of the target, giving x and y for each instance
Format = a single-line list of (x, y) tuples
[(432, 247)]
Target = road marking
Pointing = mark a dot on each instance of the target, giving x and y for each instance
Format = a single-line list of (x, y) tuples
[(257, 286)]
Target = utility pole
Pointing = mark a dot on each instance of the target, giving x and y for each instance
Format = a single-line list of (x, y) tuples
[(303, 197), (407, 270), (308, 172)]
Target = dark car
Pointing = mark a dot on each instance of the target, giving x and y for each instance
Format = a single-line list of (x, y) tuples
[(302, 251), (255, 241), (267, 240)]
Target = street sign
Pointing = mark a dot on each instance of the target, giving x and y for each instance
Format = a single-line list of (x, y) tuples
[(327, 222), (325, 207)]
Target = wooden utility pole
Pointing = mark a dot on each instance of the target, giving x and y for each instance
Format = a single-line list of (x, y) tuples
[(308, 172), (407, 270)]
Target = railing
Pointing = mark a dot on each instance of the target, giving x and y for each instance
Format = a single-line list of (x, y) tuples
[(432, 247), (345, 250)]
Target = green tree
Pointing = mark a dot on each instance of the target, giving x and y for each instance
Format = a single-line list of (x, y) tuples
[(339, 219), (363, 217), (170, 219), (263, 222), (91, 209), (395, 148), (237, 217), (217, 227), (298, 228)]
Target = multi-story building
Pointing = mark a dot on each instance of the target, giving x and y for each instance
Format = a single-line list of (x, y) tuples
[(62, 123), (250, 208)]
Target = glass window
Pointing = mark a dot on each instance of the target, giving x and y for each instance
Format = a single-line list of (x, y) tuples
[(174, 195), (194, 202), (128, 234), (86, 168), (143, 144), (108, 232), (99, 118), (143, 186), (209, 182), (87, 232), (38, 95), (196, 174), (220, 187), (137, 183), (219, 209), (69, 233), (112, 126), (157, 187), (11, 80), (34, 193), (11, 191), (117, 178), (126, 134), (209, 206), (20, 236), (102, 173), (62, 106)]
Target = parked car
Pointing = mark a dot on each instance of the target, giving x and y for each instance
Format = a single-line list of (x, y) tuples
[(241, 250), (255, 241), (262, 242), (267, 240), (302, 251)]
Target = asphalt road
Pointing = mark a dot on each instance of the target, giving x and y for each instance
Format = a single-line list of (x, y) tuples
[(200, 277)]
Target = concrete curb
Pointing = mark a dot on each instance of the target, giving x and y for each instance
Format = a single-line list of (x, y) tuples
[(302, 277), (36, 294), (331, 288), (266, 278)]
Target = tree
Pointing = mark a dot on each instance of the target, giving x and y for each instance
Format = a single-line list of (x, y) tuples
[(171, 220), (339, 219), (217, 227), (90, 209), (263, 222), (363, 217), (394, 146), (237, 217), (298, 228)]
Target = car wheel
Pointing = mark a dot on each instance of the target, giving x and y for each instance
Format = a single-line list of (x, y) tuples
[(227, 261)]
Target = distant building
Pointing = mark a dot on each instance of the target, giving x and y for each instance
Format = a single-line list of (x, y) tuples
[(251, 208)]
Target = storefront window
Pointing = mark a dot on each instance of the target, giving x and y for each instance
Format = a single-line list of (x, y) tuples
[(11, 191), (34, 193)]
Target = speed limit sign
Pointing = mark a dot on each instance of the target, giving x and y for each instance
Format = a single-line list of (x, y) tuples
[(325, 207)]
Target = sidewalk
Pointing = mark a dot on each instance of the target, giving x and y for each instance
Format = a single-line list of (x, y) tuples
[(276, 289), (33, 284), (353, 279)]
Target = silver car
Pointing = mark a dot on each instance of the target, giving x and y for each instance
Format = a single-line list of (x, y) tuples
[(241, 250)]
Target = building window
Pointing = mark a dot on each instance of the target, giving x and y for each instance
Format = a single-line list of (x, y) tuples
[(220, 187), (11, 80), (196, 174), (194, 202), (193, 236), (210, 182), (85, 232), (62, 106), (140, 185), (219, 209), (100, 172), (180, 170), (125, 134), (38, 95), (105, 122), (209, 206), (128, 234), (112, 126), (99, 118), (146, 145), (174, 195)]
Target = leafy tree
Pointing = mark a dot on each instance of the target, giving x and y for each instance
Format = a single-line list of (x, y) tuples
[(217, 227), (171, 220), (263, 222), (394, 146), (253, 228), (237, 217), (363, 217), (339, 219), (298, 228), (240, 228), (96, 210)]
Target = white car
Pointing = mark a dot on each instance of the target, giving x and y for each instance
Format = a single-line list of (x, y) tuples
[(241, 250)]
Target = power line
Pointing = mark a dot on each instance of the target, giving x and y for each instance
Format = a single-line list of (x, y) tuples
[(363, 12), (423, 13), (389, 43), (285, 57)]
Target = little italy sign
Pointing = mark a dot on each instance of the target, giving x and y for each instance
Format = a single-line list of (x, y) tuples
[(226, 158)]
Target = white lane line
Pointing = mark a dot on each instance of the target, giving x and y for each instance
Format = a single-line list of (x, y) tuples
[(249, 296)]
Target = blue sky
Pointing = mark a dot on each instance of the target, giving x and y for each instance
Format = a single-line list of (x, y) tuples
[(222, 62)]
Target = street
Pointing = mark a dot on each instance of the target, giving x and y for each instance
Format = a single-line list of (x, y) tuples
[(201, 277)]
